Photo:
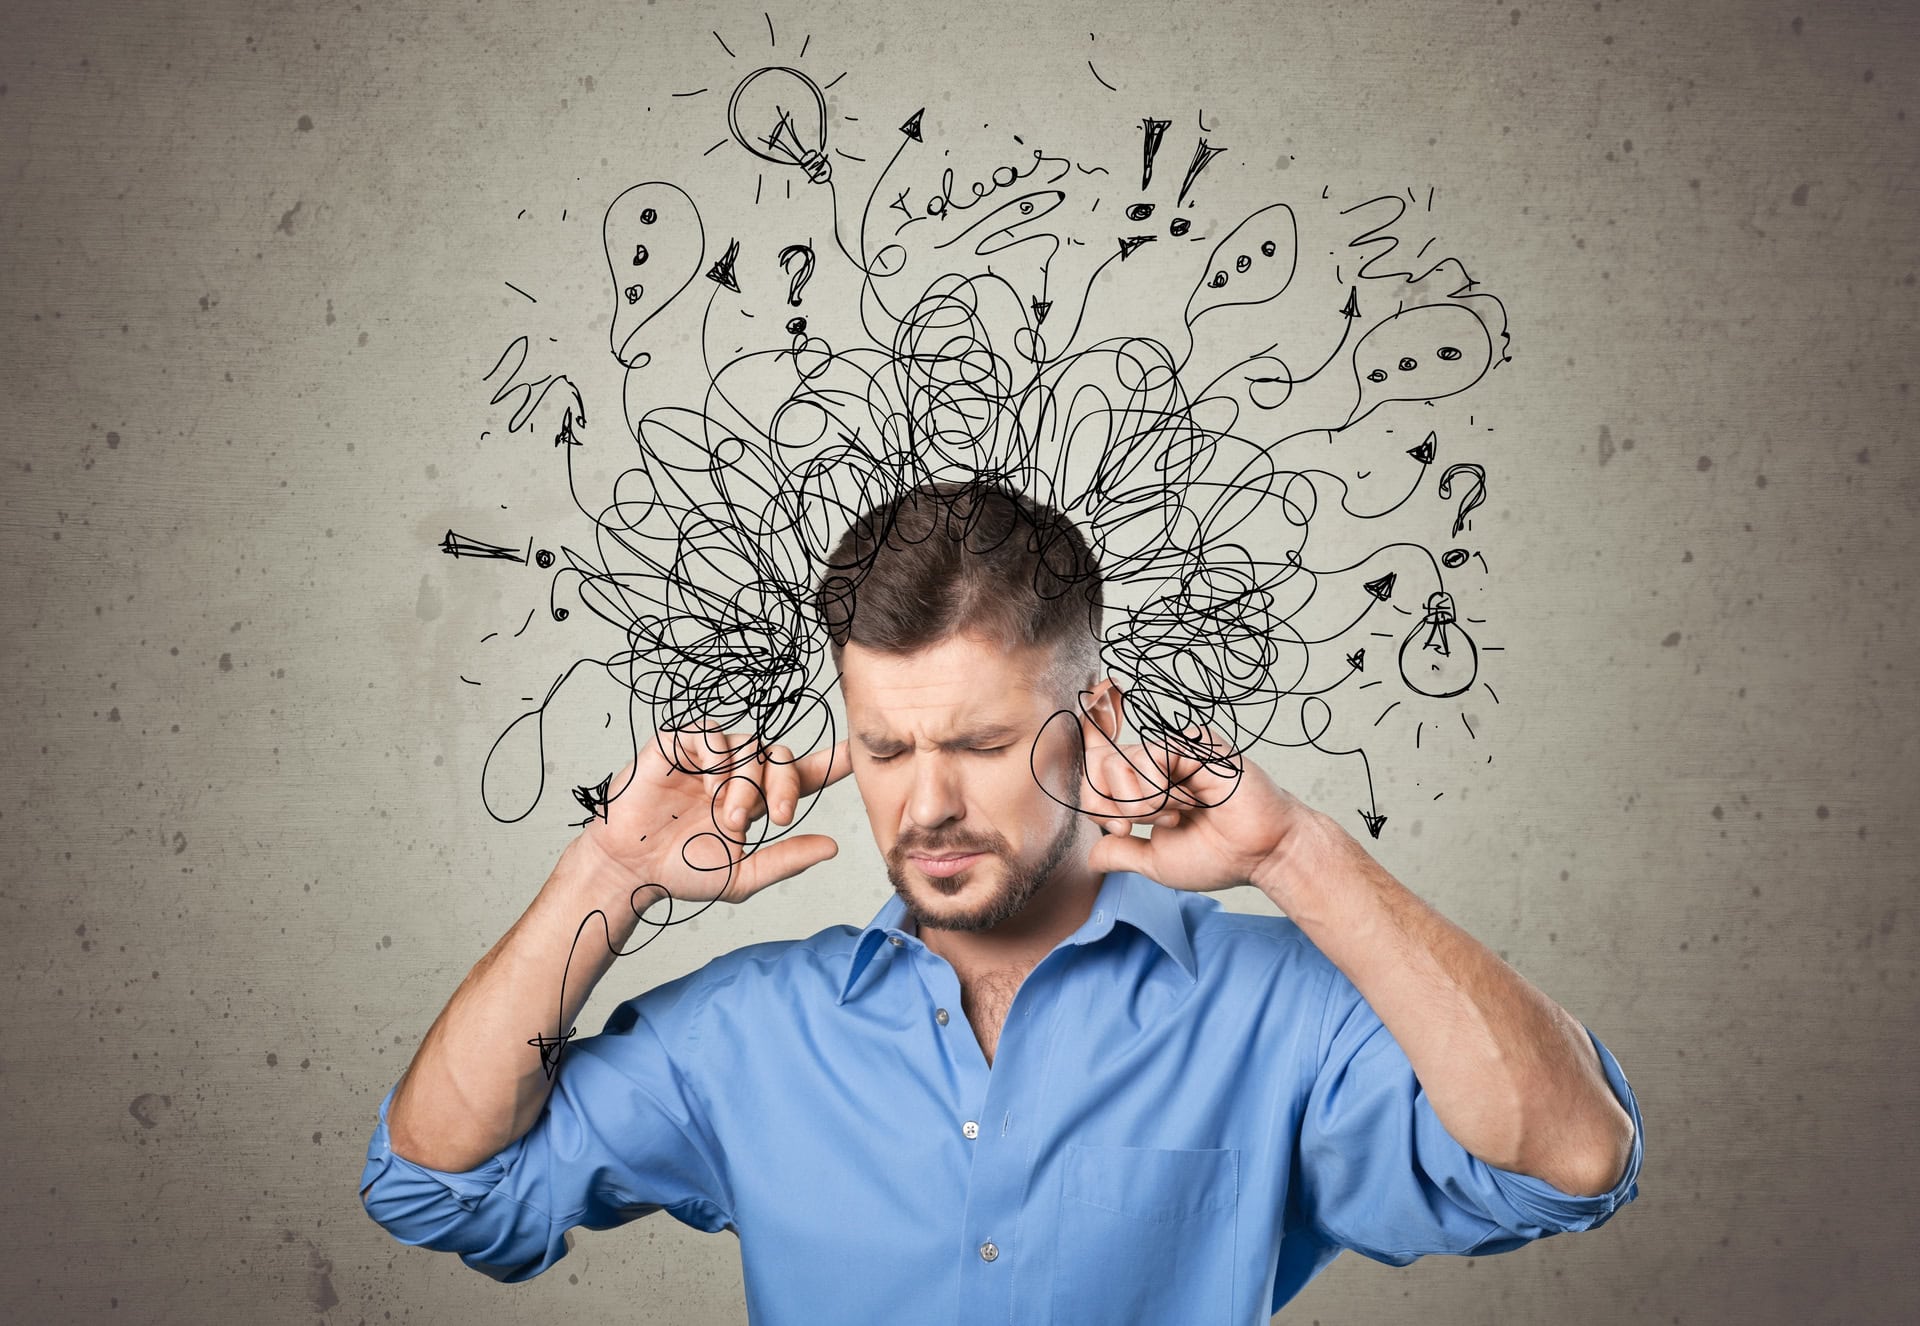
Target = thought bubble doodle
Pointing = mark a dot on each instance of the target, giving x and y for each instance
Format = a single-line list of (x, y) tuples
[(1420, 354), (655, 244), (1251, 265)]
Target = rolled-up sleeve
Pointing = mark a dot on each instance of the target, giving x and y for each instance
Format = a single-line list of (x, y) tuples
[(622, 1136), (1383, 1176)]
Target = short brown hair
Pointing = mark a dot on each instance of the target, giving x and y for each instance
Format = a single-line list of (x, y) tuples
[(973, 557)]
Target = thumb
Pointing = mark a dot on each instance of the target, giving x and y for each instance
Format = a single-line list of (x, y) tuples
[(1121, 851), (782, 860)]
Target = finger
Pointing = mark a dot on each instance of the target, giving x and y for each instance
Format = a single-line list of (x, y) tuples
[(782, 860), (1122, 852), (782, 785), (733, 791), (719, 749), (1174, 755), (757, 795), (769, 776), (713, 782), (823, 768), (685, 747), (1158, 803), (1195, 765), (747, 782), (1119, 786), (1124, 824), (1213, 753), (765, 785)]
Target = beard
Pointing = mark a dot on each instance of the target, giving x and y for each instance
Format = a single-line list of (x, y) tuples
[(1022, 879)]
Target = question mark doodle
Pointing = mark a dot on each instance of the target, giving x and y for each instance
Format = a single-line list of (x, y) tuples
[(1473, 497), (803, 255), (952, 395)]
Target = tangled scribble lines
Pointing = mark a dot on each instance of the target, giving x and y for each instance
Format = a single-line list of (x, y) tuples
[(989, 340)]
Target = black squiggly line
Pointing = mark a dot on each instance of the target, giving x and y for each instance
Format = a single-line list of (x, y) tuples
[(704, 556)]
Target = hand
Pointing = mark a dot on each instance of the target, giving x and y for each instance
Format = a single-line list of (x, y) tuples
[(684, 830), (1217, 821)]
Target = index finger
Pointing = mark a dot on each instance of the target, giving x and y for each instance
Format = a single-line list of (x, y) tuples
[(1204, 763), (1174, 766), (821, 768), (1123, 783)]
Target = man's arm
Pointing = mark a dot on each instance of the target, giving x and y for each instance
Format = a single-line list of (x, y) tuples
[(476, 1150), (1512, 1075), (476, 1085), (495, 1162)]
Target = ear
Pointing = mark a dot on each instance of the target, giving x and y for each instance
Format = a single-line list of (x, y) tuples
[(1101, 715)]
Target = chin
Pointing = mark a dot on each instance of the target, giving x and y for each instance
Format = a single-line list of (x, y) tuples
[(972, 918), (979, 899), (964, 893)]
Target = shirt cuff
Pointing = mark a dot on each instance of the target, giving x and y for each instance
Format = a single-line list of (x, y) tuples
[(1541, 1204), (402, 1185)]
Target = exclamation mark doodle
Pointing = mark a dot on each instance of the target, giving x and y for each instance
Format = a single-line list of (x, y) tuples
[(1202, 156), (1154, 131)]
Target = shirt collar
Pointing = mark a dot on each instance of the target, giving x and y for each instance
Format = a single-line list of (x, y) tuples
[(1146, 905)]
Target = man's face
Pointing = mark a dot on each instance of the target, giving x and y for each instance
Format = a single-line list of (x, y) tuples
[(946, 760)]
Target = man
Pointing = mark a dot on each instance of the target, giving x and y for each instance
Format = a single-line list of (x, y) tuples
[(1052, 1080)]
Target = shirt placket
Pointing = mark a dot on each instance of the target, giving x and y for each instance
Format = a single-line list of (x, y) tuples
[(995, 1119)]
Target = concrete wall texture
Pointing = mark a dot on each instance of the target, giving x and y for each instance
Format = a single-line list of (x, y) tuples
[(253, 266)]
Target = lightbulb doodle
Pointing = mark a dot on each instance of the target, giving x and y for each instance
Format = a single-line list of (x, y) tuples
[(993, 330)]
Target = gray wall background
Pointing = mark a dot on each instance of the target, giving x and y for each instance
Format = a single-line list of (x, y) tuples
[(253, 265)]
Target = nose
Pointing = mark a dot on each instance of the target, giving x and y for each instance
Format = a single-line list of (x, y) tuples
[(935, 797)]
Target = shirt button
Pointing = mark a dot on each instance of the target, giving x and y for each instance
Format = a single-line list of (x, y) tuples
[(988, 1252), (894, 940), (970, 1129), (940, 1016)]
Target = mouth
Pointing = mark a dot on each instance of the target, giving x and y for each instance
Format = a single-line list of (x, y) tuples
[(946, 865)]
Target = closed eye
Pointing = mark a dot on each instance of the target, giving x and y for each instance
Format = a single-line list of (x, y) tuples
[(971, 750)]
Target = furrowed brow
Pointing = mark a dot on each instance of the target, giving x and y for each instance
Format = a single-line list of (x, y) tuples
[(982, 734)]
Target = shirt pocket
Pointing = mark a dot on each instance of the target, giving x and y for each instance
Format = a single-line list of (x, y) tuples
[(1146, 1235)]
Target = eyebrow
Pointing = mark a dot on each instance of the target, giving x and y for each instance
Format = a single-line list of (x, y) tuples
[(973, 736)]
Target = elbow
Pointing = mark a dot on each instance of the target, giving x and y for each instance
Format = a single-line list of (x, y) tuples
[(1606, 1166), (503, 1239), (1614, 1165), (1576, 1163)]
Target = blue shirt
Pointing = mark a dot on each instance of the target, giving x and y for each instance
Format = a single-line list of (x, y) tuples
[(1190, 1113)]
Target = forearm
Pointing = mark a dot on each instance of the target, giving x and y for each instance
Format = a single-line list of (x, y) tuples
[(476, 1084), (1511, 1074)]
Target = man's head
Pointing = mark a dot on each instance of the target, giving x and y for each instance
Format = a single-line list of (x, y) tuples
[(965, 623)]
